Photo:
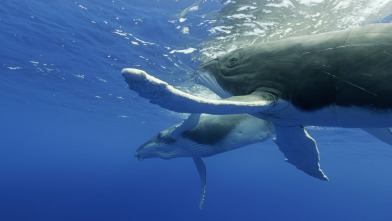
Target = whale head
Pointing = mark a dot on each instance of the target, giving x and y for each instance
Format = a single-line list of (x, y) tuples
[(246, 70), (172, 142), (163, 145)]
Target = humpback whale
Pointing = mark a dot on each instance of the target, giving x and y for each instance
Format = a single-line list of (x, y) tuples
[(339, 79), (203, 135)]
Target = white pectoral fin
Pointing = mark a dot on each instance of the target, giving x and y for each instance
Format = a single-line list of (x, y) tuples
[(161, 93), (383, 134), (300, 149), (201, 168), (190, 122)]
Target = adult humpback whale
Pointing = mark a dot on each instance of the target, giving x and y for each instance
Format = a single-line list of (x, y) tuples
[(337, 79)]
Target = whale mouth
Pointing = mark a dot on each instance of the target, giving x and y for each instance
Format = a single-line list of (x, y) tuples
[(206, 76), (137, 155), (159, 146)]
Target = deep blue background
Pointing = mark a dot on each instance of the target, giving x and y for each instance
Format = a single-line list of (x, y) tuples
[(69, 128)]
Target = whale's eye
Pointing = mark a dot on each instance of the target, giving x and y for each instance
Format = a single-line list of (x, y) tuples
[(232, 62)]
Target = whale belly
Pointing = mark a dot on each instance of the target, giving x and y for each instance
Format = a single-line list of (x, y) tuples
[(330, 116), (357, 117)]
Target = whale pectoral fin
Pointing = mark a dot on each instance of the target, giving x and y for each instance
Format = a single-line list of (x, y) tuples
[(383, 134), (161, 93), (300, 149), (190, 122), (201, 168)]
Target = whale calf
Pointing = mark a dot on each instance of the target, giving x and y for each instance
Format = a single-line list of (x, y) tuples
[(203, 135), (338, 79)]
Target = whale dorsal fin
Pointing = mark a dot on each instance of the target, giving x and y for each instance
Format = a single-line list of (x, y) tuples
[(201, 168), (383, 134), (161, 93), (300, 149)]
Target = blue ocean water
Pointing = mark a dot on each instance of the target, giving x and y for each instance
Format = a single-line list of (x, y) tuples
[(69, 127)]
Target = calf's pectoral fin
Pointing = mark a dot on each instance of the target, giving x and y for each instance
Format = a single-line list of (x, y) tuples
[(161, 93), (189, 123), (201, 168), (300, 149), (383, 134)]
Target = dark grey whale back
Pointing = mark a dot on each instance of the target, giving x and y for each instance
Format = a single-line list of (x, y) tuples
[(345, 68)]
